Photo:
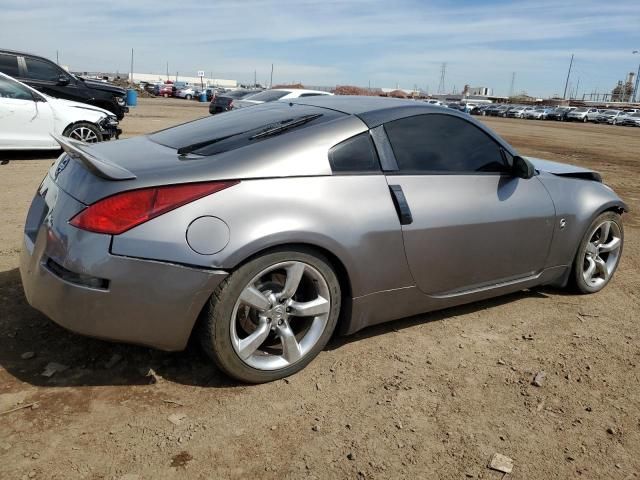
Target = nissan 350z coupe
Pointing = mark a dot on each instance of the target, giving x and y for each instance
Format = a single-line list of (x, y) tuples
[(265, 230)]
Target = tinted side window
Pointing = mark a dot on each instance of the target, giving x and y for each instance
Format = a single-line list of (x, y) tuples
[(357, 154), (311, 94), (443, 143), (41, 70), (9, 65)]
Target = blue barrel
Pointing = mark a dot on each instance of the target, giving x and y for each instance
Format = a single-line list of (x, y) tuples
[(203, 97), (132, 97)]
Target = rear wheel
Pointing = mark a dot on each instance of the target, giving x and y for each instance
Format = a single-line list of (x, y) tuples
[(84, 132), (599, 253), (272, 316), (188, 97)]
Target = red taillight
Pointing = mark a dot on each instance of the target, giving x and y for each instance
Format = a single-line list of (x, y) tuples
[(123, 211)]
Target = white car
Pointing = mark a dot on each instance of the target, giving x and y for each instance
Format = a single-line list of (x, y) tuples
[(186, 92), (276, 94), (28, 118), (583, 114)]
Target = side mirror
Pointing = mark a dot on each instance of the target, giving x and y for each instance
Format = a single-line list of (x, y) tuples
[(522, 168), (63, 80)]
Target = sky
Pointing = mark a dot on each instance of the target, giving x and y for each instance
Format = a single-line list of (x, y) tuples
[(339, 42)]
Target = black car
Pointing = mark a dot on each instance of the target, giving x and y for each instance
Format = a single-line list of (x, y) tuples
[(48, 77), (224, 102), (560, 113)]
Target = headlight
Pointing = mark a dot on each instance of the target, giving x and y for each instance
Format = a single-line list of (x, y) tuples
[(120, 101)]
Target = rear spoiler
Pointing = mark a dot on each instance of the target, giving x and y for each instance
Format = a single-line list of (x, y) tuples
[(95, 164)]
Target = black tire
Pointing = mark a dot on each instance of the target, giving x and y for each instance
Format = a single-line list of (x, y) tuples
[(188, 97), (76, 127), (215, 322), (577, 278), (585, 120)]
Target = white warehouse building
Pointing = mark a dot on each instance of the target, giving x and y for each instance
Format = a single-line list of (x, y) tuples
[(210, 82)]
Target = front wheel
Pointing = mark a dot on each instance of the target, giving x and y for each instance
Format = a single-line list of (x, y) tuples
[(272, 316), (188, 97), (84, 132), (599, 253)]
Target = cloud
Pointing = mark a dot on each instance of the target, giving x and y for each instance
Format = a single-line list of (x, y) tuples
[(329, 42)]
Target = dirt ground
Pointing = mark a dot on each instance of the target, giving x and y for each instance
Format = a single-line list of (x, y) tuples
[(433, 396)]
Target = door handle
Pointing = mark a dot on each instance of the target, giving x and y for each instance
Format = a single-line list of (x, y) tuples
[(400, 202)]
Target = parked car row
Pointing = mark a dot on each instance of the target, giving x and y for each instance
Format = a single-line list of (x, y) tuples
[(49, 78), (627, 117), (30, 119), (182, 90)]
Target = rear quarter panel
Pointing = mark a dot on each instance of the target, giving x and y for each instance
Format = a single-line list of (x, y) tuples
[(353, 217)]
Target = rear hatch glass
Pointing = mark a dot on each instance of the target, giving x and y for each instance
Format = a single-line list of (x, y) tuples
[(239, 128)]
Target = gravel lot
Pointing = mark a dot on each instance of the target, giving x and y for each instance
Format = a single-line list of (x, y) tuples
[(433, 396)]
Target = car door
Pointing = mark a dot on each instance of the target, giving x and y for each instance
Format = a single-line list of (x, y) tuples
[(469, 223), (24, 122)]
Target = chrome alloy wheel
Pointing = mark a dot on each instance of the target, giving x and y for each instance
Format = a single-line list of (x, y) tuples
[(280, 315), (602, 253), (83, 134)]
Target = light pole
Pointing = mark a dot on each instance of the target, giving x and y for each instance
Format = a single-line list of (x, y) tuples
[(635, 87)]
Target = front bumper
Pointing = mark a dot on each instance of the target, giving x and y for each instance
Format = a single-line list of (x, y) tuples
[(70, 276), (109, 128)]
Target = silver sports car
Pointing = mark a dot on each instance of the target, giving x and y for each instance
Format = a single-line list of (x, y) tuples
[(265, 230)]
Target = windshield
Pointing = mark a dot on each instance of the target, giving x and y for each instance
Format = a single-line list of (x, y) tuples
[(242, 127), (268, 95), (611, 112), (580, 110)]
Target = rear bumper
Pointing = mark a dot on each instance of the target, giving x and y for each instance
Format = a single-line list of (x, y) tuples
[(131, 300)]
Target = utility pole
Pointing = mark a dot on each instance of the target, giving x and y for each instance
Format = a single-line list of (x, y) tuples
[(513, 82), (255, 82), (577, 87), (566, 83), (131, 75), (271, 81), (443, 73), (57, 59), (635, 88), (167, 71)]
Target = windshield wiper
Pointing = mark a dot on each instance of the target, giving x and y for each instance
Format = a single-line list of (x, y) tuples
[(285, 126)]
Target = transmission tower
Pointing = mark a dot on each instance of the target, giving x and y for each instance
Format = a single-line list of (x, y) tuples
[(443, 73), (513, 83)]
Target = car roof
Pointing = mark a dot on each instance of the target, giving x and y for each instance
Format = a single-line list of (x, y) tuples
[(374, 111), (16, 52)]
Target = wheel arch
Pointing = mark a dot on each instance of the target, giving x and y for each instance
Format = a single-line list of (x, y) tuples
[(335, 262), (77, 122), (616, 206)]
